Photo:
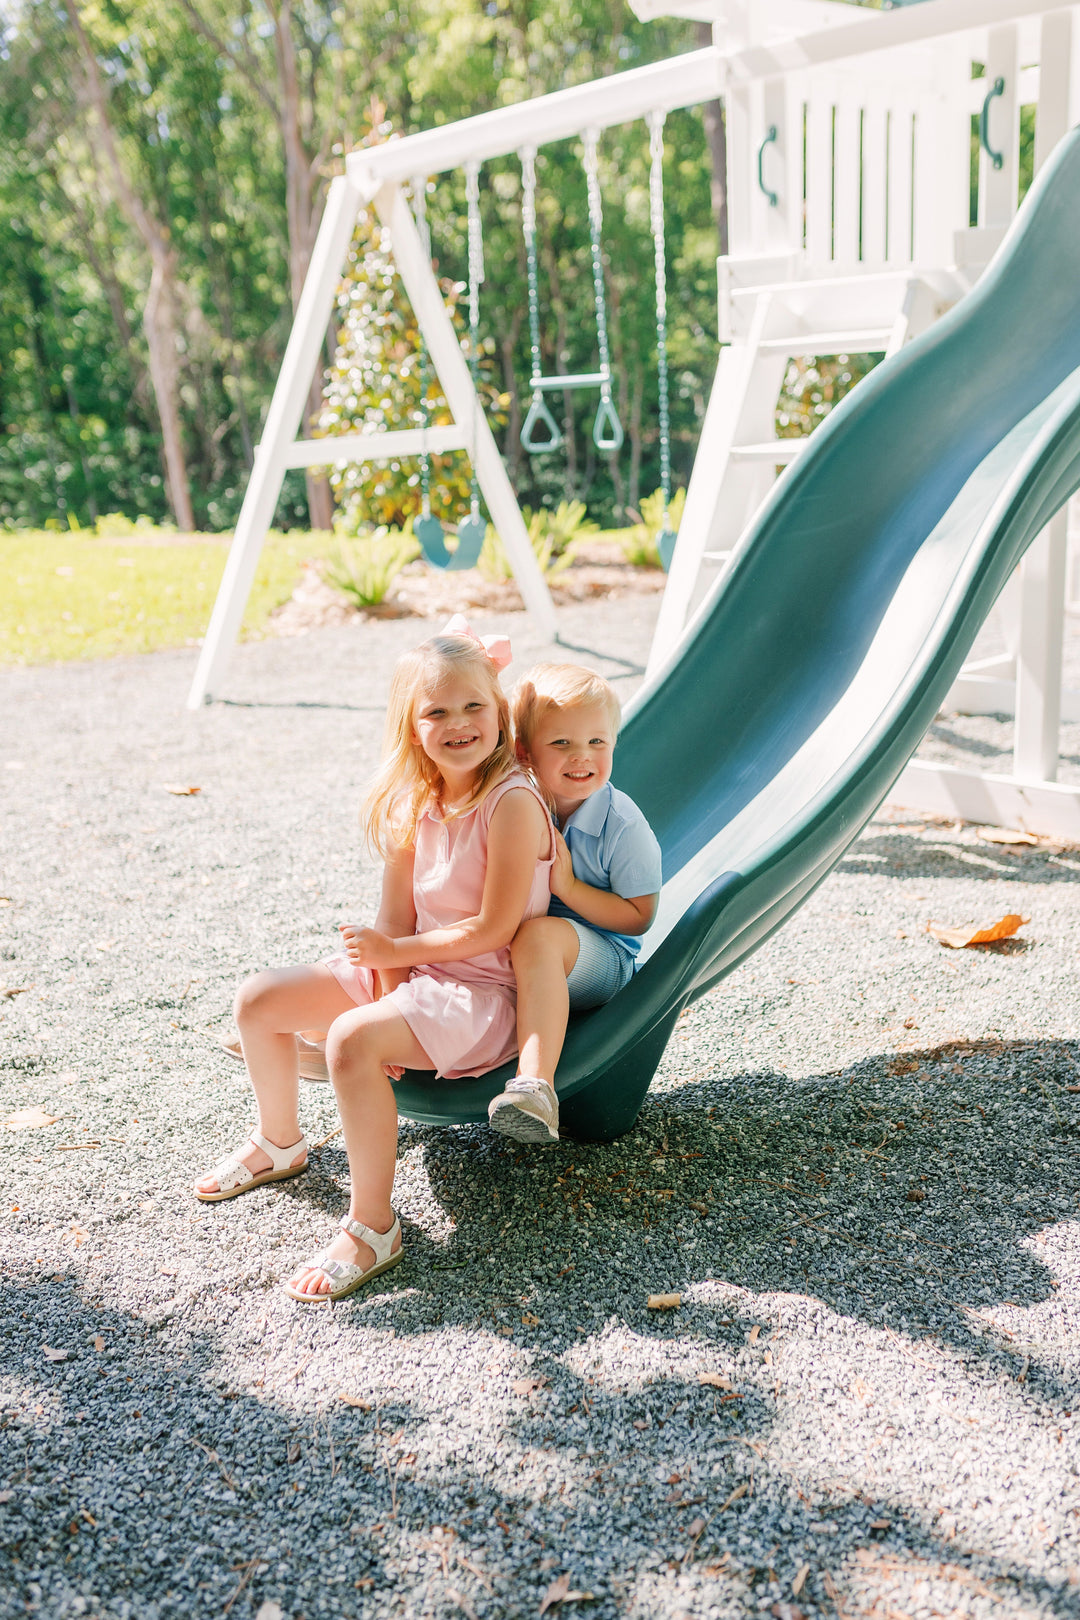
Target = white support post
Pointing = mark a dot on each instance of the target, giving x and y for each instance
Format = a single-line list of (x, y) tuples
[(1056, 64), (819, 116), (414, 267), (873, 183), (282, 421), (1038, 663), (998, 188), (846, 167)]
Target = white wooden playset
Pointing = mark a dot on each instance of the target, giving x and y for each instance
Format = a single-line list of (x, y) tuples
[(849, 138)]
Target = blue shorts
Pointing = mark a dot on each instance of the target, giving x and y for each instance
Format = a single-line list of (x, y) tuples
[(600, 971)]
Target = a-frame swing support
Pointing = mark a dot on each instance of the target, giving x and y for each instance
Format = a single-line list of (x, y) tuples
[(280, 450)]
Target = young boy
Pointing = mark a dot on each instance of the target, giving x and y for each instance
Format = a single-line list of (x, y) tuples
[(604, 884)]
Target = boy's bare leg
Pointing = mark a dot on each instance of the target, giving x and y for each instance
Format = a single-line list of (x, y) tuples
[(357, 1046), (543, 952), (269, 1008)]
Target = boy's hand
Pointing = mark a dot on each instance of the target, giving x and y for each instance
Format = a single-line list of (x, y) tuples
[(367, 947), (562, 871)]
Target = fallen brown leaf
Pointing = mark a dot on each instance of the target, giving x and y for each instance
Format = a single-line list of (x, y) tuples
[(800, 1580), (99, 1343), (753, 1334), (1002, 835), (528, 1320), (29, 1119), (527, 1386), (663, 1302), (354, 1400), (7, 991), (559, 1592), (957, 938), (714, 1378), (740, 1490), (54, 1355), (182, 792)]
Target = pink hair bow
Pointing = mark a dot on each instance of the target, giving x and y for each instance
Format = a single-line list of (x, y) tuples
[(496, 647)]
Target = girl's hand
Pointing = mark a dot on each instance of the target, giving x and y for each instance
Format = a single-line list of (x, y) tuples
[(367, 947), (562, 871)]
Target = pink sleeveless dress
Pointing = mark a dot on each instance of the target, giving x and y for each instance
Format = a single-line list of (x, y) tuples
[(462, 1013)]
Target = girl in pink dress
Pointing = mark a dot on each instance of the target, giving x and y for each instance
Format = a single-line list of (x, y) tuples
[(468, 846)]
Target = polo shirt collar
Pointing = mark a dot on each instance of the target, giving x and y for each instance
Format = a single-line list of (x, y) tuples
[(591, 814)]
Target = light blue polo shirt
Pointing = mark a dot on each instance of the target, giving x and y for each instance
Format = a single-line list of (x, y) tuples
[(612, 847)]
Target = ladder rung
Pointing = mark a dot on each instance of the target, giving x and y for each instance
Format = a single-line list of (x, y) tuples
[(773, 450), (870, 340)]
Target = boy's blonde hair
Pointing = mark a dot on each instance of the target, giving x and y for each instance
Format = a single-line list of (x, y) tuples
[(407, 779), (558, 686)]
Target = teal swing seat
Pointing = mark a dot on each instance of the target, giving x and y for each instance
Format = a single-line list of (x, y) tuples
[(810, 675)]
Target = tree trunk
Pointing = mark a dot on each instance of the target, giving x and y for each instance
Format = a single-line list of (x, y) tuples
[(716, 136), (159, 313)]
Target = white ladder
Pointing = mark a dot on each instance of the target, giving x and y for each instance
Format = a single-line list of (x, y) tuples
[(764, 324)]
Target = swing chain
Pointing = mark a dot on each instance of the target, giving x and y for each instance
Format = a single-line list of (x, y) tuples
[(539, 419), (655, 122), (607, 429)]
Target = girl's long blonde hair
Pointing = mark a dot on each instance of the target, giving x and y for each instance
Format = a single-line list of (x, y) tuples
[(408, 781)]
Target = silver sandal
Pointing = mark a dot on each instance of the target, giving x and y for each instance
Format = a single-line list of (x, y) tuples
[(346, 1278)]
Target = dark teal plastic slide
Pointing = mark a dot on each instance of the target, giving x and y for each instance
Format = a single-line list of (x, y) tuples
[(809, 676)]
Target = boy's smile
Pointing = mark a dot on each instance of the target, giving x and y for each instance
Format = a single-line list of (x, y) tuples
[(571, 754)]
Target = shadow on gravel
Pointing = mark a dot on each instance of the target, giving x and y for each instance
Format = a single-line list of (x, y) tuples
[(904, 1211), (910, 856)]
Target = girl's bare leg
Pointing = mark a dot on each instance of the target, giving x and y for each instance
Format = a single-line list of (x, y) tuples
[(358, 1044), (269, 1007), (543, 951)]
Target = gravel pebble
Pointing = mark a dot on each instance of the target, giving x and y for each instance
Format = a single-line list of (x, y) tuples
[(857, 1167)]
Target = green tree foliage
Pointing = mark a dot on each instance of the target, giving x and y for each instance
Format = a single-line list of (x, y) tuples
[(202, 126)]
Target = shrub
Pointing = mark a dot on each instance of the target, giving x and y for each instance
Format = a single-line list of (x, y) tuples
[(639, 542), (555, 536), (364, 567)]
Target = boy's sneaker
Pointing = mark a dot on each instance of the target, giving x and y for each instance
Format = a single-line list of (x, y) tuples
[(528, 1111)]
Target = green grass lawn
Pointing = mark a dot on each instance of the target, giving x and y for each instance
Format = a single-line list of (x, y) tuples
[(69, 596)]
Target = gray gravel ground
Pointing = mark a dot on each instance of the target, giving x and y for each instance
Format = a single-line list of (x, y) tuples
[(857, 1166)]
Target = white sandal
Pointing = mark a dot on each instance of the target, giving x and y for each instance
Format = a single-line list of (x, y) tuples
[(233, 1176), (345, 1278)]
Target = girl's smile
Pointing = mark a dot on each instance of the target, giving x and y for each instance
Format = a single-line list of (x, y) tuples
[(457, 725)]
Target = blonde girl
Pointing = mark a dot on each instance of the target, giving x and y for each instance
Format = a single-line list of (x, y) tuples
[(468, 844)]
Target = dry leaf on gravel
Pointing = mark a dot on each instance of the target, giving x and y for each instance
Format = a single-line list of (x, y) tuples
[(800, 1580), (752, 1336), (54, 1355), (99, 1343), (354, 1400), (559, 1592), (957, 938), (181, 792), (739, 1491), (1003, 835), (663, 1302), (527, 1386), (29, 1119), (529, 1320), (8, 991), (717, 1379), (269, 1611)]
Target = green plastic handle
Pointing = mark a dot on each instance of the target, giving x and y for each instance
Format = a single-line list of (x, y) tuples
[(540, 419), (996, 89), (607, 433)]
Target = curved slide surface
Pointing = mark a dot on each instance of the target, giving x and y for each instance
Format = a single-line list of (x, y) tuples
[(809, 676)]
